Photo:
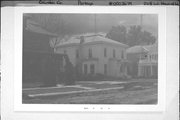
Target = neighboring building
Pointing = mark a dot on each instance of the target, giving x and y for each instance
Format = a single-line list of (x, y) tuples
[(133, 56), (143, 61), (35, 38), (148, 63), (37, 52), (94, 53)]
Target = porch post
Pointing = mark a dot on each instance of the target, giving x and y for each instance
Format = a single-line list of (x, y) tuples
[(139, 70), (151, 66)]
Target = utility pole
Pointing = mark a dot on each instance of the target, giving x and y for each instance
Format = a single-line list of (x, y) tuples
[(141, 20), (62, 26), (95, 29)]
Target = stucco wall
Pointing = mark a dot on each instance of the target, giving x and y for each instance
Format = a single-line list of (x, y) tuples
[(113, 68)]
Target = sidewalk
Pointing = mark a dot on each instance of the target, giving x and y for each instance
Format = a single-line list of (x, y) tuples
[(86, 88)]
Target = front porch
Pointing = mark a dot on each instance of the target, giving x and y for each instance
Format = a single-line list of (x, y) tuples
[(148, 70)]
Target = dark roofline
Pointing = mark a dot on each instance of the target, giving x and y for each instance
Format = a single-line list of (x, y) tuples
[(90, 43), (95, 42)]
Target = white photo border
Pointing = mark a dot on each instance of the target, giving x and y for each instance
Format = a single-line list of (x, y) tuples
[(18, 33)]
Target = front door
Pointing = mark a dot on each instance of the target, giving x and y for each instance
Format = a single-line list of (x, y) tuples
[(92, 69)]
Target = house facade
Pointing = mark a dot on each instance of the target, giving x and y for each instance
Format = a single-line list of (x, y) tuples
[(148, 63), (95, 54), (143, 61)]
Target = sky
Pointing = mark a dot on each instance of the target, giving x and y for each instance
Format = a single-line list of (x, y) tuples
[(89, 23)]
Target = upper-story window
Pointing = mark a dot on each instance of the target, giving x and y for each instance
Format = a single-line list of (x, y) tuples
[(77, 53), (114, 53), (122, 54), (150, 57), (105, 52), (90, 53), (65, 52), (156, 57), (144, 57)]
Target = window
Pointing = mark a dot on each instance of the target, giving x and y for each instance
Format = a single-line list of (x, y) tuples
[(122, 54), (105, 52), (65, 52), (156, 57), (85, 68), (114, 53), (105, 69), (150, 57), (121, 68), (77, 53), (144, 56), (90, 53), (92, 69)]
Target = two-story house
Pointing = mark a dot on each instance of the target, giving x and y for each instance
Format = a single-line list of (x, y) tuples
[(94, 54), (148, 63), (143, 60)]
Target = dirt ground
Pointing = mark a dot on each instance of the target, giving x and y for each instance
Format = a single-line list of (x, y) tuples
[(140, 92)]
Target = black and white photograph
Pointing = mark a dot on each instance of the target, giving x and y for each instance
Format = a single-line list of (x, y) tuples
[(90, 58), (90, 63)]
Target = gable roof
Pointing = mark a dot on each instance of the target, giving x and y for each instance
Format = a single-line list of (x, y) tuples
[(143, 49), (151, 48), (89, 39), (136, 49)]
